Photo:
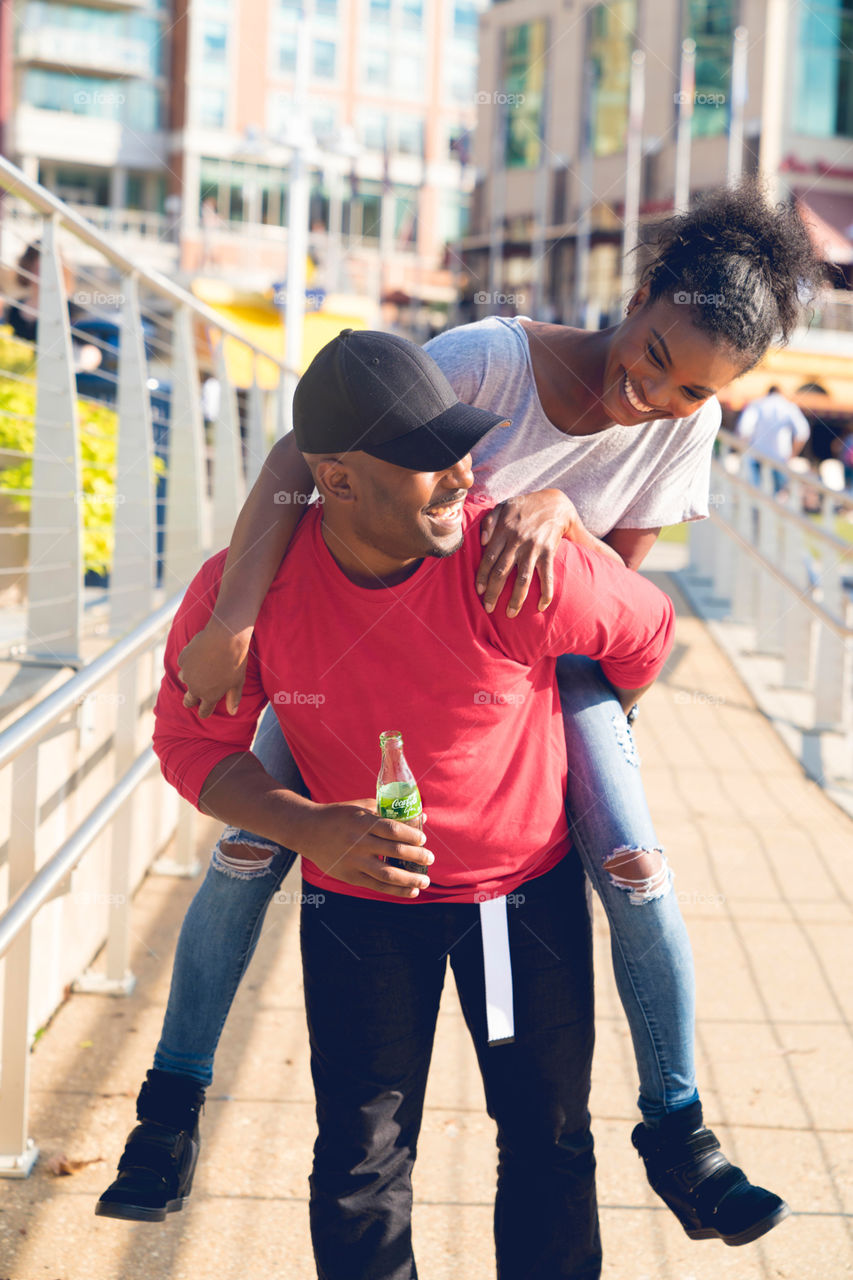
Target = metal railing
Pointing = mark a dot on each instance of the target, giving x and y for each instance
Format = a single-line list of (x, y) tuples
[(83, 810), (32, 882), (149, 382), (774, 560)]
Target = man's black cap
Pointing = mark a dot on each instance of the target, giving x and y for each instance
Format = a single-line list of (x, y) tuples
[(382, 394)]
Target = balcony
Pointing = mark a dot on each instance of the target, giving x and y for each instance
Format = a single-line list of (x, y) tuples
[(84, 51), (121, 5)]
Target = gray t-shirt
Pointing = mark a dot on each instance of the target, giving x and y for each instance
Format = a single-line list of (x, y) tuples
[(619, 478)]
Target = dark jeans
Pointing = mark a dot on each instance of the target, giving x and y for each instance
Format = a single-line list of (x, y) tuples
[(373, 978)]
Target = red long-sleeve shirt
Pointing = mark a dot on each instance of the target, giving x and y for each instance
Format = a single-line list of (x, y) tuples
[(474, 694)]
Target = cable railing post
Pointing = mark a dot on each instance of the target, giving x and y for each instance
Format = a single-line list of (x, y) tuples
[(229, 489), (256, 447), (833, 677), (799, 623), (186, 485), (18, 1154), (132, 576), (722, 503), (743, 597), (183, 861), (55, 577), (770, 594), (117, 979)]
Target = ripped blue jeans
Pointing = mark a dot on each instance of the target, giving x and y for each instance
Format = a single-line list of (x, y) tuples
[(613, 833)]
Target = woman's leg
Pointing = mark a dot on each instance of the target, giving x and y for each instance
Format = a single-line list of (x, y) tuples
[(653, 965), (614, 835), (222, 927)]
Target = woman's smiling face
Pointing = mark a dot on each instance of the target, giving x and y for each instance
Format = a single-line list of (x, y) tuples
[(661, 365)]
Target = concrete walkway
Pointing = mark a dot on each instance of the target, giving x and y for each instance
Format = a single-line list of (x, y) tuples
[(764, 865)]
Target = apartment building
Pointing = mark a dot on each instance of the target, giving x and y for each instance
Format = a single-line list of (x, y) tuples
[(552, 132), (185, 111)]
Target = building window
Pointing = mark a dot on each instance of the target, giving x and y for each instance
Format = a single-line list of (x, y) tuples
[(823, 98), (286, 52), (611, 46), (711, 23), (373, 130), (466, 14), (461, 78), (409, 75), (77, 185), (409, 135), (324, 120), (324, 59), (326, 10), (523, 80), (411, 14), (379, 12), (135, 102), (209, 108), (377, 67), (214, 41)]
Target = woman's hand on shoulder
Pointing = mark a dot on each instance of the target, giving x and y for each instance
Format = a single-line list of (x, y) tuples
[(523, 533), (213, 666)]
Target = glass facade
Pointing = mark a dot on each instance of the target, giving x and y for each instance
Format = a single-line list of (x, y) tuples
[(611, 46), (523, 83), (325, 60), (106, 36), (823, 95), (136, 103), (711, 23)]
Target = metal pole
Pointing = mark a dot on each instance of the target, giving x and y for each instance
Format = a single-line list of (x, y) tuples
[(297, 222), (540, 204), (584, 234), (497, 185), (773, 98), (684, 138), (739, 95), (633, 173)]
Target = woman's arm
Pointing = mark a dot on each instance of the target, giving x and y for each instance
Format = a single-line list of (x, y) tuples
[(213, 664), (524, 533), (632, 545)]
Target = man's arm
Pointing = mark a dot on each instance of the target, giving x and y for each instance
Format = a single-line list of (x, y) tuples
[(210, 763), (346, 841)]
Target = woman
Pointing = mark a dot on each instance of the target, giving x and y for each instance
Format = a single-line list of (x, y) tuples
[(611, 438)]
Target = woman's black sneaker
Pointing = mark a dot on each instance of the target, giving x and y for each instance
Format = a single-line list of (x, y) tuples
[(712, 1199), (155, 1172)]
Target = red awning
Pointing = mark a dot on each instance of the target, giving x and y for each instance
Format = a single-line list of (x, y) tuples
[(828, 215)]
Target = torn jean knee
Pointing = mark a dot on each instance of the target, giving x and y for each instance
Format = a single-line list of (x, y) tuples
[(641, 889), (243, 868), (625, 738)]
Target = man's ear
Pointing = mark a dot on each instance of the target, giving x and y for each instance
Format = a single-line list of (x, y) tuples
[(333, 478)]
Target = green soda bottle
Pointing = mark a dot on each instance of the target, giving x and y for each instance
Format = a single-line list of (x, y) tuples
[(397, 794)]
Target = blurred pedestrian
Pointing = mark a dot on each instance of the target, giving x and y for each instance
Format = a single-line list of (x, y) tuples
[(774, 426)]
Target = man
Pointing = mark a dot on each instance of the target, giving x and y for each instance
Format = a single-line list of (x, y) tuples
[(774, 426), (373, 622)]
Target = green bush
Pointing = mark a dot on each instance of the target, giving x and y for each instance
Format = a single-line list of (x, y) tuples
[(98, 442)]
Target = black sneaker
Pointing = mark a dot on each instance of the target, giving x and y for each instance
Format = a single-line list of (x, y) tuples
[(155, 1172), (712, 1199)]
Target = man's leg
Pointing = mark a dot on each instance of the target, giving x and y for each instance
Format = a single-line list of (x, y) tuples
[(373, 975), (216, 943), (537, 1088)]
